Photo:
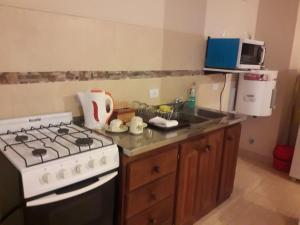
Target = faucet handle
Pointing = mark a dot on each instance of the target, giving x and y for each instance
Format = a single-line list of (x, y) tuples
[(178, 100)]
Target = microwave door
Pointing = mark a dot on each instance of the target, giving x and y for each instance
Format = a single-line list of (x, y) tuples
[(251, 55)]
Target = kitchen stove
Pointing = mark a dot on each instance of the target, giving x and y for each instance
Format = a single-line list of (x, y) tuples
[(50, 152)]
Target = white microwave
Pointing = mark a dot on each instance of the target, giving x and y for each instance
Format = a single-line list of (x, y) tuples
[(235, 53)]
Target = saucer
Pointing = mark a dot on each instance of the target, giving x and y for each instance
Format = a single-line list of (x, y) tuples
[(144, 124), (122, 129)]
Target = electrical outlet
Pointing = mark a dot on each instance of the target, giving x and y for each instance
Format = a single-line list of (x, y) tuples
[(251, 141), (154, 93)]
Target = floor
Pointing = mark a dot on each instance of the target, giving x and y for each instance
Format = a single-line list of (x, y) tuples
[(262, 196)]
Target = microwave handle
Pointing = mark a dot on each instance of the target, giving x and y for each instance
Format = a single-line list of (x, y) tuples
[(262, 59), (59, 197)]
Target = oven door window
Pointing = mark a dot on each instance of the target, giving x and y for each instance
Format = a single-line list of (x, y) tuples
[(251, 54), (96, 207)]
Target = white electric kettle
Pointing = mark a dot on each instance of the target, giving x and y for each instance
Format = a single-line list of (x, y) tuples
[(97, 107)]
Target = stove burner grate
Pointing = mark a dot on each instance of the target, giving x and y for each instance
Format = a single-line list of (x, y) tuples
[(63, 131), (21, 138), (39, 152), (84, 142)]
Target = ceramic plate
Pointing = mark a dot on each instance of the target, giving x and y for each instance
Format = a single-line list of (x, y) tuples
[(144, 124), (122, 129)]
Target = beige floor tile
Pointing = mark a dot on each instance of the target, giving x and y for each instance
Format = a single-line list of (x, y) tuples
[(262, 196)]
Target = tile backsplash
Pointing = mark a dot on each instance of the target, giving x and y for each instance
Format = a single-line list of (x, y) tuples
[(44, 77), (23, 99)]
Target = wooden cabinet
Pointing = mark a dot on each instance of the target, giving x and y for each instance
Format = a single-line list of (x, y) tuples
[(229, 160), (152, 182), (146, 170), (149, 195), (209, 160), (148, 187), (186, 184), (198, 177)]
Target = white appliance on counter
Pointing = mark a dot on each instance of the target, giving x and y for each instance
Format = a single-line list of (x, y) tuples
[(97, 107), (256, 95)]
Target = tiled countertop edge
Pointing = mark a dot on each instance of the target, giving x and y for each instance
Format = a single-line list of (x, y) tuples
[(45, 77)]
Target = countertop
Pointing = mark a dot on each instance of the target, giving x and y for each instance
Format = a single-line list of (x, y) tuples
[(151, 139)]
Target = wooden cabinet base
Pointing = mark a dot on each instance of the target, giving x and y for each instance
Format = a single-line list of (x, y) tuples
[(159, 214), (154, 191)]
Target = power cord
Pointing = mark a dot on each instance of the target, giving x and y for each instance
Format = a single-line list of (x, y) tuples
[(221, 94)]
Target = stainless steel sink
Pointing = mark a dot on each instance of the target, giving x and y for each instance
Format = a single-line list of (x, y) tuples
[(192, 119), (201, 118), (210, 114)]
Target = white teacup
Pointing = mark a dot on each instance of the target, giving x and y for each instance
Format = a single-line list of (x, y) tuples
[(115, 125), (136, 125)]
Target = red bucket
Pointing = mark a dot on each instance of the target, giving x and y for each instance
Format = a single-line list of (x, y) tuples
[(281, 165), (284, 152), (282, 157)]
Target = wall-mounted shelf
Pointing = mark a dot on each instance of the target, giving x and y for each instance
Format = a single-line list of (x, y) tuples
[(223, 71)]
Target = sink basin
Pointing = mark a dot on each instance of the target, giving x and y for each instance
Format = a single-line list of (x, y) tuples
[(192, 119), (210, 114)]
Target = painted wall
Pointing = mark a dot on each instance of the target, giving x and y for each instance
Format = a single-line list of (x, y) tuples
[(23, 99), (231, 18), (105, 35), (101, 35), (295, 60)]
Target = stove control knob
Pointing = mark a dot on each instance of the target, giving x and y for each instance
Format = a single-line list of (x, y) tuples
[(47, 178), (78, 169), (63, 174), (92, 164), (103, 160)]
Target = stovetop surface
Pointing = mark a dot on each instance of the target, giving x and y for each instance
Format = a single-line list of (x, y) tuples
[(34, 146)]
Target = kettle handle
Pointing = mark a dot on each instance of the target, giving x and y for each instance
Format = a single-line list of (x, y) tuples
[(111, 105)]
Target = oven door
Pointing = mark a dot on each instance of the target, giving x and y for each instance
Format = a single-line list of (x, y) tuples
[(251, 54), (91, 202)]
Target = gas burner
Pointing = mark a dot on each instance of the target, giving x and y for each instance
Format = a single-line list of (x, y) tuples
[(21, 138), (63, 131), (39, 152), (84, 141)]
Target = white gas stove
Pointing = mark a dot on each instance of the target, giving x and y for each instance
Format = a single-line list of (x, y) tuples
[(50, 152)]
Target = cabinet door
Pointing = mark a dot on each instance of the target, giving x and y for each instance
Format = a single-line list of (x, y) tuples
[(187, 181), (229, 160), (209, 159)]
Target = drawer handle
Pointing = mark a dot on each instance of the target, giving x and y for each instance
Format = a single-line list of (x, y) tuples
[(156, 169), (152, 220), (230, 138), (207, 149), (153, 196)]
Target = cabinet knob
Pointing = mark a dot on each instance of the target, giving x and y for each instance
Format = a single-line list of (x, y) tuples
[(156, 169), (152, 220), (230, 138), (153, 196), (207, 148)]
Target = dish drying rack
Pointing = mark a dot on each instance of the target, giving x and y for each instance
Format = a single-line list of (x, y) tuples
[(148, 112)]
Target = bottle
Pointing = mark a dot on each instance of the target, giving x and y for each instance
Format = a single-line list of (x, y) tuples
[(192, 97)]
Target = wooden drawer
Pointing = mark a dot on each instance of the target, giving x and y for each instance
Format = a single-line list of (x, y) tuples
[(149, 195), (159, 214), (146, 170)]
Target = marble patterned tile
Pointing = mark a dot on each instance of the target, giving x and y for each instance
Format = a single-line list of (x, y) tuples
[(44, 77)]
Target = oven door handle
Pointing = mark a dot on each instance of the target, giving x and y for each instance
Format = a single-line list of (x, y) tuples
[(59, 197)]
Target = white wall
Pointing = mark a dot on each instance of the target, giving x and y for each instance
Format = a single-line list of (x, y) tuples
[(101, 35), (295, 60), (231, 18)]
